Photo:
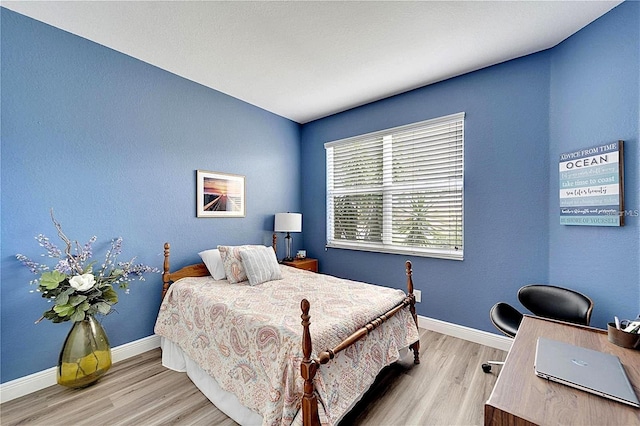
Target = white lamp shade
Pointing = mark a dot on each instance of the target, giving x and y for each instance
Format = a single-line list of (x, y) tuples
[(288, 222)]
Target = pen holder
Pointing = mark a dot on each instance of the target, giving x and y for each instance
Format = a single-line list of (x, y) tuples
[(622, 338)]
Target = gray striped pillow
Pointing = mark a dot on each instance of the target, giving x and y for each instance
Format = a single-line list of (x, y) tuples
[(260, 265)]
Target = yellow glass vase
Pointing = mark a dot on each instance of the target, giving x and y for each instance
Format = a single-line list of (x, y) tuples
[(85, 355)]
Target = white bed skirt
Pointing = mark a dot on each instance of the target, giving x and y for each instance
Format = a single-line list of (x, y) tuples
[(175, 359)]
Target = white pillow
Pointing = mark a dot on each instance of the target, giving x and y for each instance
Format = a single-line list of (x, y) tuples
[(260, 265), (212, 259)]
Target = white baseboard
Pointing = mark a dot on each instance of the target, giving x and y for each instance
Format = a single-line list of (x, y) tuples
[(471, 334), (43, 379)]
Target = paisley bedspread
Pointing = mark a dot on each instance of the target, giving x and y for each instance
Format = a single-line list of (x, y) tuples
[(249, 337)]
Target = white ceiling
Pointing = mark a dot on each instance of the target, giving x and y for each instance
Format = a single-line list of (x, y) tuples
[(305, 59)]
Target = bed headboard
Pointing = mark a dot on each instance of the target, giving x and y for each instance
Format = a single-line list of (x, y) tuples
[(195, 270)]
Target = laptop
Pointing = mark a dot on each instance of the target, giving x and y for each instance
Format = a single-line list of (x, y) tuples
[(585, 369)]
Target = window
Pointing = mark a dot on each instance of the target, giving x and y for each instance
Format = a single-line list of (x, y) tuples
[(399, 190)]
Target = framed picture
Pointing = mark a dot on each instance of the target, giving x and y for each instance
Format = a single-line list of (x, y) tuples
[(220, 194)]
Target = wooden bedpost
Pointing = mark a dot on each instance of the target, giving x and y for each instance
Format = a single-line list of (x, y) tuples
[(308, 369), (195, 270), (274, 242), (165, 273), (412, 308)]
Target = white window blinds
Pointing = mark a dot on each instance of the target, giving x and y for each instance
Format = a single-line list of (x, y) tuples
[(399, 190)]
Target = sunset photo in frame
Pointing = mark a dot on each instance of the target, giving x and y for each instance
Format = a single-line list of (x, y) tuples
[(220, 194)]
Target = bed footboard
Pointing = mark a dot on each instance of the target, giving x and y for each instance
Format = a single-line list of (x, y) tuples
[(309, 366)]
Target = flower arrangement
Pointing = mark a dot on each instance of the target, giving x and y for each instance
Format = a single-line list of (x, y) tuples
[(76, 290)]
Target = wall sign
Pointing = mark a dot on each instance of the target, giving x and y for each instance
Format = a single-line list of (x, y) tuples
[(591, 186)]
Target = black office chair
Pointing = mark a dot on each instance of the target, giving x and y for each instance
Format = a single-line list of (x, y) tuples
[(546, 301)]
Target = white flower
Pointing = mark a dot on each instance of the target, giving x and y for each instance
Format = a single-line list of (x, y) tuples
[(82, 282)]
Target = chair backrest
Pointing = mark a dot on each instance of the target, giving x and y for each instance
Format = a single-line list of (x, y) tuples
[(556, 303)]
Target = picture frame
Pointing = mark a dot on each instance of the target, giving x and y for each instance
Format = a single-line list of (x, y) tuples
[(220, 194)]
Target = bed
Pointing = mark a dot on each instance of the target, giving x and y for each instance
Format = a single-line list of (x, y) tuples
[(248, 347)]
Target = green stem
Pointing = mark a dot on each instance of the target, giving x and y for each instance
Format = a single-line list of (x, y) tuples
[(94, 344)]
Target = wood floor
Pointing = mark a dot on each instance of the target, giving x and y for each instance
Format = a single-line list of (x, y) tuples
[(447, 388)]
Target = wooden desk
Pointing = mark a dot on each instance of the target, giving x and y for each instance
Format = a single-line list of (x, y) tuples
[(522, 398)]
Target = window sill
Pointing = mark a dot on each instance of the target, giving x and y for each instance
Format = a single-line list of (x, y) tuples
[(432, 253)]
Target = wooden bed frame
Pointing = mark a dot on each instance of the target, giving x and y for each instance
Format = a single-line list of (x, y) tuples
[(309, 366)]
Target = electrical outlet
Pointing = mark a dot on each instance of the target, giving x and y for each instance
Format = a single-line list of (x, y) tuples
[(418, 295)]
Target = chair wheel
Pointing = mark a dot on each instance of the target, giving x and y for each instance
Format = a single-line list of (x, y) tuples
[(486, 368)]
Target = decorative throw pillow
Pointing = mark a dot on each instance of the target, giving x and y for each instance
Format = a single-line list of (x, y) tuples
[(232, 262), (260, 265), (213, 260)]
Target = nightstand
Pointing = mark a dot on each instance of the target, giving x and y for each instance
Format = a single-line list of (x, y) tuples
[(306, 264)]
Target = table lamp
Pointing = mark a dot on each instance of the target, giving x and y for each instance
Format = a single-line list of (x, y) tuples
[(288, 222)]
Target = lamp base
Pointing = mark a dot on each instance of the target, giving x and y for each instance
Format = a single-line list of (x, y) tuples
[(287, 243)]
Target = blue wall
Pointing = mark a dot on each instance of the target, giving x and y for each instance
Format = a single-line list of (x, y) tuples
[(113, 145), (595, 92), (520, 116), (506, 172)]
